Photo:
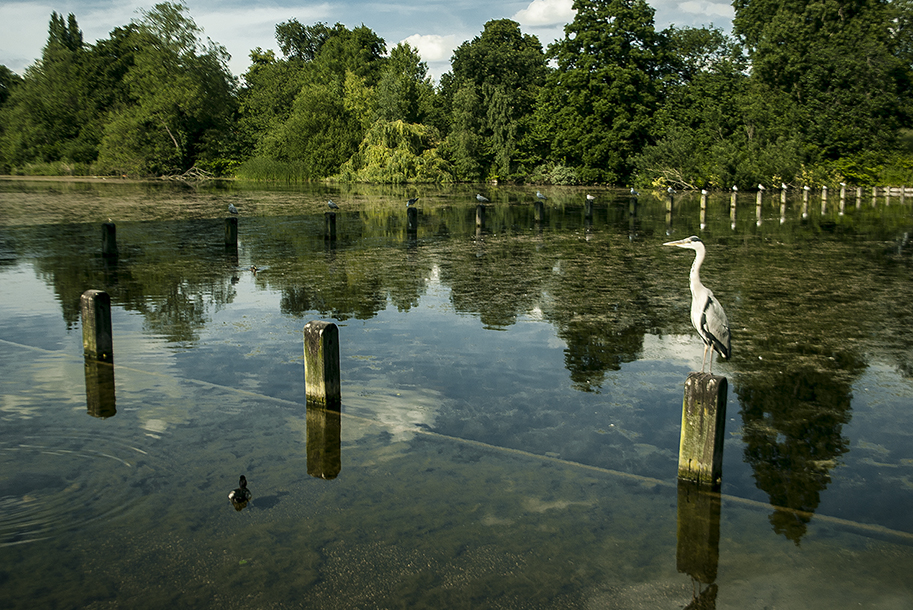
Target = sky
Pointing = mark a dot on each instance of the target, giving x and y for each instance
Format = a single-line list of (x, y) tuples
[(434, 27)]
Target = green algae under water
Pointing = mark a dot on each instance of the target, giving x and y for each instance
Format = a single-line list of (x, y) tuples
[(511, 403)]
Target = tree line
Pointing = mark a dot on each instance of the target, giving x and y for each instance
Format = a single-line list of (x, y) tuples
[(803, 92)]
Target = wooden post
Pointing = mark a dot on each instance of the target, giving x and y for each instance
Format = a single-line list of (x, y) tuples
[(321, 364), (842, 198), (700, 457), (874, 195), (757, 207), (903, 195), (108, 239), (858, 197), (411, 218), (100, 388), (480, 216), (805, 190), (97, 338), (782, 206), (887, 196), (703, 209), (324, 453), (732, 206), (823, 200), (588, 209), (231, 232), (330, 219), (539, 208)]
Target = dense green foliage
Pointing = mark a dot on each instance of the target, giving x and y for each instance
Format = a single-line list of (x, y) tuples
[(803, 91)]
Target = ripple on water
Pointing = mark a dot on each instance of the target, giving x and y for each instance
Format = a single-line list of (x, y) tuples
[(61, 480)]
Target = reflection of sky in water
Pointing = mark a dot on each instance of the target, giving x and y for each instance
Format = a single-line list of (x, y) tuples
[(475, 469)]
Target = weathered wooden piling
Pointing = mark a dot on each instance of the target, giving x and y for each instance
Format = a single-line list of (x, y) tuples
[(805, 191), (703, 209), (324, 453), (858, 197), (480, 216), (231, 232), (842, 199), (97, 338), (698, 549), (874, 195), (757, 206), (411, 218), (321, 364), (782, 205), (700, 457), (100, 401), (539, 211), (903, 195), (588, 209), (330, 226), (108, 239), (823, 199)]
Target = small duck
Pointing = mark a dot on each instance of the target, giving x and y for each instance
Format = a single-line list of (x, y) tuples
[(254, 269), (232, 209), (240, 496), (411, 202), (333, 205)]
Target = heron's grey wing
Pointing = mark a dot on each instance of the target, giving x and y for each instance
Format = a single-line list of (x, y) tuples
[(715, 326)]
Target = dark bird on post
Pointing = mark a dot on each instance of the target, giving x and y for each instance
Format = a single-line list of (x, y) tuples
[(232, 209), (707, 314), (481, 199), (411, 202), (333, 206)]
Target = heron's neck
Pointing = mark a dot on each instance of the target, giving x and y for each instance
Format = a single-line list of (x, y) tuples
[(696, 268)]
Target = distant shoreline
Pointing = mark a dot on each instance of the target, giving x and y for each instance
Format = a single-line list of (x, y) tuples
[(9, 178)]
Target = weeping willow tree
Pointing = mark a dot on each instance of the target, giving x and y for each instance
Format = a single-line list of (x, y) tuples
[(397, 152)]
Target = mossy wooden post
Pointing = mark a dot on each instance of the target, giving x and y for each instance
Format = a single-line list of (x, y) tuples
[(480, 216), (782, 205), (858, 197), (330, 218), (874, 195), (732, 199), (703, 209), (588, 209), (757, 206), (823, 199), (231, 232), (700, 456), (321, 364), (887, 196), (805, 191), (97, 338), (108, 239), (842, 199), (412, 218), (539, 208), (903, 195)]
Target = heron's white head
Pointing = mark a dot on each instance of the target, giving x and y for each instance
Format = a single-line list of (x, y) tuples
[(692, 243)]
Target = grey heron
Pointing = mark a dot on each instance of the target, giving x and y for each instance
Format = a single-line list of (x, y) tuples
[(539, 195), (707, 314), (333, 205), (411, 202), (481, 199), (232, 209)]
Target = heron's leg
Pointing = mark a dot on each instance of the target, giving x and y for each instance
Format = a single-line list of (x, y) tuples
[(704, 359), (711, 361)]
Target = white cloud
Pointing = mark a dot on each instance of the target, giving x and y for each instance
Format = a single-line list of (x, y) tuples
[(434, 48), (709, 9), (546, 12)]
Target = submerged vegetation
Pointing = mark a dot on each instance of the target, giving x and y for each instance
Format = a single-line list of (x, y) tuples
[(800, 93)]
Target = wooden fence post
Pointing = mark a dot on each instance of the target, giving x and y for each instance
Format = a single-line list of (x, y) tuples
[(97, 338), (321, 364), (700, 457), (108, 239), (480, 216), (330, 221)]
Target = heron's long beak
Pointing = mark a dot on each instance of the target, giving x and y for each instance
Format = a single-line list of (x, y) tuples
[(679, 242)]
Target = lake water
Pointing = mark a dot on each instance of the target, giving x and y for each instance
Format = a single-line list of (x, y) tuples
[(511, 401)]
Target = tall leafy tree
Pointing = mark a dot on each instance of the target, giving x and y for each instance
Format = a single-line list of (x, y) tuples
[(597, 107), (181, 97), (492, 91), (837, 61)]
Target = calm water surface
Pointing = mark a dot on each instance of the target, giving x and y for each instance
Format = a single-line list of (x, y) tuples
[(511, 401)]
